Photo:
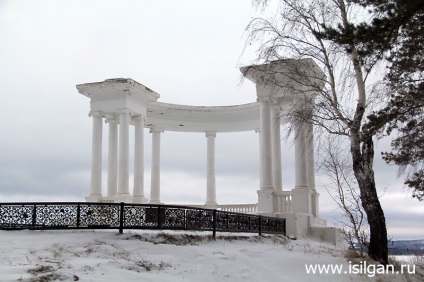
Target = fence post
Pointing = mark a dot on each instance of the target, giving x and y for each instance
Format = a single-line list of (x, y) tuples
[(260, 225), (214, 223), (78, 215), (34, 216), (159, 223), (250, 220), (228, 224), (121, 218), (185, 219)]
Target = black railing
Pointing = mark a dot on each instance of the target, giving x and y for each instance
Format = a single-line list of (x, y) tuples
[(71, 215)]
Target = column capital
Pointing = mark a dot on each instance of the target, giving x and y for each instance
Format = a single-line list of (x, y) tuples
[(96, 114), (137, 117), (111, 118), (275, 102), (154, 129), (124, 111), (263, 99), (210, 134), (275, 116)]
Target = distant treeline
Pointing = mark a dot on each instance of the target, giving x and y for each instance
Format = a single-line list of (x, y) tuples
[(408, 251), (403, 247), (406, 247)]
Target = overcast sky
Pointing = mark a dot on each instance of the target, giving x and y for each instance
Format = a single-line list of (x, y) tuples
[(187, 51)]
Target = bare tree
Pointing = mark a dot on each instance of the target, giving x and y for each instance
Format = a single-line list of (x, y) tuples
[(341, 107), (342, 188)]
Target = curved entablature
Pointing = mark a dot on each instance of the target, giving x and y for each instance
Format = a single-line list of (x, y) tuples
[(111, 96), (184, 118)]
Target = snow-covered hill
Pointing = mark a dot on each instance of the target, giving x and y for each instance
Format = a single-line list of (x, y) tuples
[(167, 256)]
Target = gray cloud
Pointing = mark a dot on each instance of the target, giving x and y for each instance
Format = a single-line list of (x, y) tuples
[(175, 49)]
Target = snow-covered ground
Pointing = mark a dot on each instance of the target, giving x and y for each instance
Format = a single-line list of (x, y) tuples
[(167, 256)]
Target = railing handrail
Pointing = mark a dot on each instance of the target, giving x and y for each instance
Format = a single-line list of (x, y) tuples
[(93, 215), (236, 205)]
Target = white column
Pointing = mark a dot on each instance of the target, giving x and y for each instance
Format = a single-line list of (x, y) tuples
[(112, 175), (265, 145), (123, 168), (138, 191), (96, 158), (155, 178), (276, 149), (310, 162), (300, 156), (302, 201), (310, 168), (266, 192), (210, 166)]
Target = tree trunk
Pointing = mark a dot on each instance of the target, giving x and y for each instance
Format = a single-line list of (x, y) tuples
[(363, 157)]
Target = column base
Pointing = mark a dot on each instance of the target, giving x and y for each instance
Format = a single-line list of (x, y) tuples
[(211, 206), (299, 225), (94, 198), (270, 214), (140, 200), (315, 203), (108, 199), (302, 200), (265, 202), (126, 198), (154, 202)]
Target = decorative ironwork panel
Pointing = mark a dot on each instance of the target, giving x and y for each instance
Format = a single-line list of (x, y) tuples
[(141, 216), (244, 223), (134, 216), (273, 225), (281, 225), (102, 215), (254, 223), (221, 220), (233, 222), (199, 219), (16, 215), (56, 215), (99, 215), (154, 216), (265, 224), (174, 218)]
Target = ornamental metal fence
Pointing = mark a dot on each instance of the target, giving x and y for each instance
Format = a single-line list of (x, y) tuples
[(71, 215)]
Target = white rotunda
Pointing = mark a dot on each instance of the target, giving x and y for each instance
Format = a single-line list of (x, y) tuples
[(281, 87)]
